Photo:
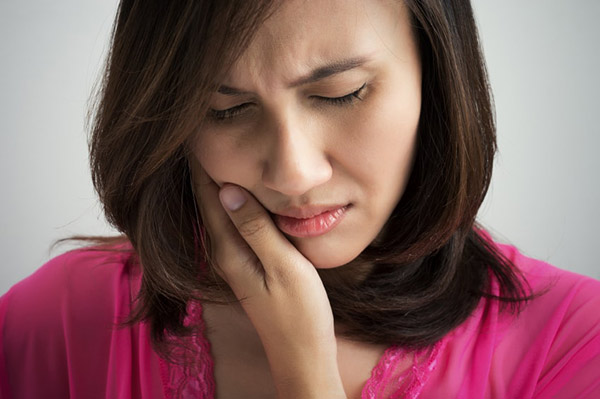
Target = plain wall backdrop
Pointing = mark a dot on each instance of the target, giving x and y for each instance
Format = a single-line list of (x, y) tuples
[(543, 61)]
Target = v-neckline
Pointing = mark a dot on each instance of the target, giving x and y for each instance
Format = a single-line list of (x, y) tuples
[(193, 377)]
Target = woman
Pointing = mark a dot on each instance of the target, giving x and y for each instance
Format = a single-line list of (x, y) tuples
[(297, 185)]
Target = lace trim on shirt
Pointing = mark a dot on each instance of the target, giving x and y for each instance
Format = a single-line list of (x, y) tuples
[(193, 375), (389, 380)]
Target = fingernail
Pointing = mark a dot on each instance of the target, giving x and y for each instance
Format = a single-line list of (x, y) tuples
[(232, 198)]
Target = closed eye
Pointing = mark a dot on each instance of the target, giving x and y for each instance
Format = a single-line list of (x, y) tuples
[(229, 113), (343, 100), (225, 115)]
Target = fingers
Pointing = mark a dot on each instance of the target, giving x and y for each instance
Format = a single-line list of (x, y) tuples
[(280, 288), (230, 255), (254, 224), (246, 247)]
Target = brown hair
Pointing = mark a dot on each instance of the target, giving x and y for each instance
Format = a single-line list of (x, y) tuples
[(432, 266)]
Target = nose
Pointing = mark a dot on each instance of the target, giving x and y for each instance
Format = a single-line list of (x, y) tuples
[(295, 160)]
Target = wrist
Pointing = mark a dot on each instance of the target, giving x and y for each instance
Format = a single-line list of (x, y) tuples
[(310, 386), (307, 375)]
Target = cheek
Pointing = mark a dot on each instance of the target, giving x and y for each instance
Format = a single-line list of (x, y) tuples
[(384, 142), (222, 159)]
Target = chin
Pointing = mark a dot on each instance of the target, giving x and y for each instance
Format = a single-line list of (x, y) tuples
[(328, 258), (326, 265)]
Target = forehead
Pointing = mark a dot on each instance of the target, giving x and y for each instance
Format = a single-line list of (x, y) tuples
[(303, 34)]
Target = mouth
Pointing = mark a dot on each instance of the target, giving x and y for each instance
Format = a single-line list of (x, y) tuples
[(318, 223)]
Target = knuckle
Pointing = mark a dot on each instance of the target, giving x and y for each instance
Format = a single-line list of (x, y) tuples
[(253, 227), (218, 258), (280, 279), (237, 263), (283, 275), (252, 267)]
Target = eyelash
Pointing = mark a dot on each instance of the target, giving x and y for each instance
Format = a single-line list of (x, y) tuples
[(344, 100), (230, 113), (348, 99)]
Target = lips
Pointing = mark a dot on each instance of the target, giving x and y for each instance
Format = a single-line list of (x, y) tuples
[(307, 211), (310, 221)]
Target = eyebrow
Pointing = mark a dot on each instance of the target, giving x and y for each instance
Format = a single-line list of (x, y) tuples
[(315, 75)]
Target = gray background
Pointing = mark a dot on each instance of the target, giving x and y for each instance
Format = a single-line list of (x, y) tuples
[(544, 66)]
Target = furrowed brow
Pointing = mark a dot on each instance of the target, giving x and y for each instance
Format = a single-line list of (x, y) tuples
[(231, 91), (328, 70), (315, 75)]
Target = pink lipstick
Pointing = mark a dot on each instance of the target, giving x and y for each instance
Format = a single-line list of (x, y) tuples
[(311, 226)]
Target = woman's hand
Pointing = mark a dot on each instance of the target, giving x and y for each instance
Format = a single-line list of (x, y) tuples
[(279, 289)]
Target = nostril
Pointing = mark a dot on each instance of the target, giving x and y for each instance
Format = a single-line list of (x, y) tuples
[(294, 180), (294, 158)]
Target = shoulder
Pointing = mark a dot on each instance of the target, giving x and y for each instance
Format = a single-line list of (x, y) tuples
[(557, 334), (557, 292), (59, 322), (551, 348), (79, 282), (550, 286)]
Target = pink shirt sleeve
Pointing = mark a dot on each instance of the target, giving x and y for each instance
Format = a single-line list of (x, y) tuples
[(58, 336)]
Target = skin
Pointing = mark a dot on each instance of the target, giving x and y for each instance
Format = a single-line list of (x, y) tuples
[(287, 145)]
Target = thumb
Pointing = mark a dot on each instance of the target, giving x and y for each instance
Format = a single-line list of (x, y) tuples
[(256, 227)]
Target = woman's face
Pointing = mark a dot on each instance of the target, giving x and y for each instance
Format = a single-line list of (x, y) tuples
[(318, 120)]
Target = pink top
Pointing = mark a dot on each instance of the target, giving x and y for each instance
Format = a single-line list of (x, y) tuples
[(58, 340)]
